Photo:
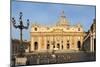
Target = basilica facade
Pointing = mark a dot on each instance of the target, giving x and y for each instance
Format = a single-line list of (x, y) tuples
[(62, 37)]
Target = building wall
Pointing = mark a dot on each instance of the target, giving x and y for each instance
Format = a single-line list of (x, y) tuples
[(61, 37), (62, 40)]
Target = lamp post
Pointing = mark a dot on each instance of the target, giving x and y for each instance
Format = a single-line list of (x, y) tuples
[(20, 27)]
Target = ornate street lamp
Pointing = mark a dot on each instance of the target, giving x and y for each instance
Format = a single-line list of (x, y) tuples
[(20, 27)]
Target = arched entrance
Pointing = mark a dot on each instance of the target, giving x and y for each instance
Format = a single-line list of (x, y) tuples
[(48, 46), (79, 45), (35, 45), (68, 46), (62, 46), (58, 46)]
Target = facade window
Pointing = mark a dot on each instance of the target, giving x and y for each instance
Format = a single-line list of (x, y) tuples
[(58, 46), (68, 46), (78, 29), (47, 41), (67, 40), (35, 29), (53, 46), (48, 46), (62, 41), (35, 45), (79, 45), (62, 46)]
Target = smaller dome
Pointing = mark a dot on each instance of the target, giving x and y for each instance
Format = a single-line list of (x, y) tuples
[(79, 25)]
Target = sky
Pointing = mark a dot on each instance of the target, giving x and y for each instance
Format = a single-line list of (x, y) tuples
[(49, 14)]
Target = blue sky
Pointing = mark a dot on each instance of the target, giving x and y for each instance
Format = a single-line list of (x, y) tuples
[(49, 13)]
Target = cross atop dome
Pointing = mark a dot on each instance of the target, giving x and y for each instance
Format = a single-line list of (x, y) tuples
[(62, 14)]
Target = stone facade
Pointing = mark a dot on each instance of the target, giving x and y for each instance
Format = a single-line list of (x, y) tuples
[(60, 37)]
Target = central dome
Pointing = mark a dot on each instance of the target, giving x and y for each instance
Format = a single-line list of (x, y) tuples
[(63, 21)]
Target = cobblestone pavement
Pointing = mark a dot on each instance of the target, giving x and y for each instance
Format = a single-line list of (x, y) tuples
[(56, 58), (49, 58)]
